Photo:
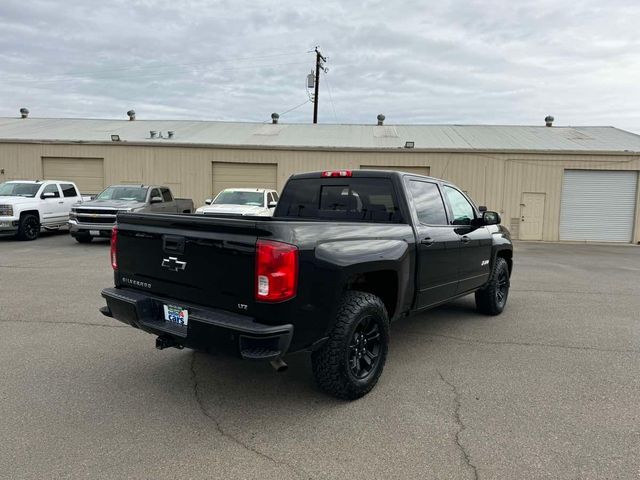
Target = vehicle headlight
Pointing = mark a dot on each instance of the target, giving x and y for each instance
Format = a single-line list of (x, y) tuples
[(125, 210), (6, 210), (72, 214), (199, 210)]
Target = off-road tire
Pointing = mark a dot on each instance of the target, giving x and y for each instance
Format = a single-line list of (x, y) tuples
[(83, 238), (492, 298), (334, 362), (28, 227)]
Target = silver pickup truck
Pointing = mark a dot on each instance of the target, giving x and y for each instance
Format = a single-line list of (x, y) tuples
[(96, 218)]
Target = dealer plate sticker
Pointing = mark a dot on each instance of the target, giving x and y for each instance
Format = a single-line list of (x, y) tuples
[(94, 233), (177, 315)]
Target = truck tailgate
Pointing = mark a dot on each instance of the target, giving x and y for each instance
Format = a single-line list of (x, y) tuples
[(198, 259)]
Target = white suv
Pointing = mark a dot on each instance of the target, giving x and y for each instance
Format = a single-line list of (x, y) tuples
[(28, 206)]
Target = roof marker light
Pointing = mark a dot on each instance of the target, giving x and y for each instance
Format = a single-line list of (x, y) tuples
[(337, 173)]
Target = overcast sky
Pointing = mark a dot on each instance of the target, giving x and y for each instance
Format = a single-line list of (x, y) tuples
[(464, 62)]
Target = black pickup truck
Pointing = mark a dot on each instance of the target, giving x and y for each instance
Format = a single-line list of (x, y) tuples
[(345, 254)]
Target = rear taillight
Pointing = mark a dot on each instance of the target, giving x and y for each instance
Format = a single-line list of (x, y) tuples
[(276, 271), (337, 173), (114, 248)]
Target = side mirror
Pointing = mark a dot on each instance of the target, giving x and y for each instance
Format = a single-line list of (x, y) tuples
[(272, 204), (208, 201), (156, 199), (491, 218), (48, 195)]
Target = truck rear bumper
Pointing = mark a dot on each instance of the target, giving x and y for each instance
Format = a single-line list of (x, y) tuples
[(206, 328)]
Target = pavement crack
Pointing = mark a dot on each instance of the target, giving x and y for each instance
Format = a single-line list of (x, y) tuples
[(461, 426), (64, 322), (229, 436), (472, 341)]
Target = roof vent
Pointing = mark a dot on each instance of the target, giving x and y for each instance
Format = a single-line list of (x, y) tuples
[(381, 119), (170, 134), (153, 133), (548, 120), (132, 115), (274, 117), (24, 112)]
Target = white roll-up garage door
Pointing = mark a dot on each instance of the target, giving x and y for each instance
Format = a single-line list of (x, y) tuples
[(87, 173), (243, 175), (598, 206)]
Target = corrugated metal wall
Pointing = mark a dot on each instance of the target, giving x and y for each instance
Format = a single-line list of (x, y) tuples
[(497, 180)]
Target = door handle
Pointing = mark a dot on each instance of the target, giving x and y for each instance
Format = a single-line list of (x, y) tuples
[(464, 239), (60, 203), (428, 241)]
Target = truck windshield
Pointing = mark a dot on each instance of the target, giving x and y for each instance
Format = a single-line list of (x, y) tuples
[(133, 194), (348, 199), (235, 197), (13, 189)]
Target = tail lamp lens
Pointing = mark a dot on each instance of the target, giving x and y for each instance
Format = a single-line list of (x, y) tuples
[(114, 248), (276, 271), (337, 173)]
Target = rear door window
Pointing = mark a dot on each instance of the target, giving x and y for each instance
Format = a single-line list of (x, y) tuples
[(166, 195), (68, 190), (349, 199), (428, 202)]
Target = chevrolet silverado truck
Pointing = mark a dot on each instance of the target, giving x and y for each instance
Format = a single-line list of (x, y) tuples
[(96, 218), (28, 206), (253, 202), (345, 254)]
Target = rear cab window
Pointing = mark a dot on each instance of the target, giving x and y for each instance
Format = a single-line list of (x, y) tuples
[(356, 199)]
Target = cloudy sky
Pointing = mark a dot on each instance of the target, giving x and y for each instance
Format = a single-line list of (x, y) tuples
[(466, 62)]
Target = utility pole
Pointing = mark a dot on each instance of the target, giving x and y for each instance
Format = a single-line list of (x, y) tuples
[(319, 65)]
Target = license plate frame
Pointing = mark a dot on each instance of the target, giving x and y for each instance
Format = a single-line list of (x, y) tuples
[(175, 315)]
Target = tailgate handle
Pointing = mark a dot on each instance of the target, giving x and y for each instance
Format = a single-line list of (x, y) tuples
[(172, 244)]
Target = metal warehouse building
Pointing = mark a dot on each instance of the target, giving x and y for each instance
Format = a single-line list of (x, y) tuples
[(549, 183)]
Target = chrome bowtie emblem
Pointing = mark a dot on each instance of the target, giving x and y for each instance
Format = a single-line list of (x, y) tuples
[(173, 264)]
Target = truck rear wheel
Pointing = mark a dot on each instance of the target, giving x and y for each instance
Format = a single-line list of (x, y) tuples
[(492, 298), (349, 364), (29, 227)]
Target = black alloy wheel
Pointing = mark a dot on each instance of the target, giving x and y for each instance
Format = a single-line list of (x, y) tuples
[(364, 348), (29, 227)]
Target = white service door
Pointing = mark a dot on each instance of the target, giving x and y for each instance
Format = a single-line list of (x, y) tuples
[(598, 205)]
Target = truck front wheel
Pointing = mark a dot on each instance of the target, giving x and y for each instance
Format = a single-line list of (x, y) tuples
[(492, 298), (349, 364), (29, 227)]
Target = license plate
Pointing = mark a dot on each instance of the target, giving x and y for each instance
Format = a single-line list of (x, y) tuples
[(177, 315), (94, 233)]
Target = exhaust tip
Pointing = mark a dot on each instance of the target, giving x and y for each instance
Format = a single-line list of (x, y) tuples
[(279, 365)]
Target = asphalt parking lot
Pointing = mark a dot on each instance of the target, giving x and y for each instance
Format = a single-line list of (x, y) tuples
[(549, 389)]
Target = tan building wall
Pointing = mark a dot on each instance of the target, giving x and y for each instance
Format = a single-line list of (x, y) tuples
[(497, 180)]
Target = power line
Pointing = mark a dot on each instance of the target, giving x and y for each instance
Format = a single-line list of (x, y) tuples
[(335, 117), (294, 108)]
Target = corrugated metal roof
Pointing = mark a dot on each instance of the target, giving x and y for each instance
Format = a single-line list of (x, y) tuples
[(436, 137)]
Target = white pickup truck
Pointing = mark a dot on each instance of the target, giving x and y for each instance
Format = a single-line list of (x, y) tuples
[(28, 206), (256, 202)]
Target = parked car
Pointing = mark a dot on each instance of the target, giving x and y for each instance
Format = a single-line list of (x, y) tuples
[(346, 253), (96, 218), (28, 206), (259, 202)]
